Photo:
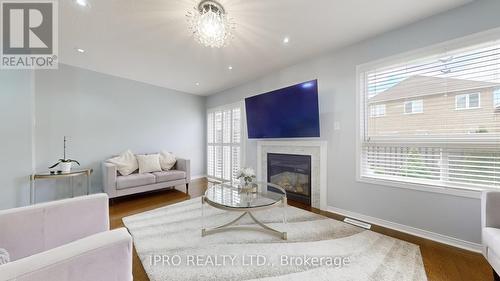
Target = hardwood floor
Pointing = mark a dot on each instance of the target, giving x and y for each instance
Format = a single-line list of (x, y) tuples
[(442, 262)]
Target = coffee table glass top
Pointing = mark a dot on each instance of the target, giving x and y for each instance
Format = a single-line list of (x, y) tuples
[(231, 196)]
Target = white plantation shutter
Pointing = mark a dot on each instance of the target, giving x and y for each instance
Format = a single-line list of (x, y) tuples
[(441, 124), (224, 137)]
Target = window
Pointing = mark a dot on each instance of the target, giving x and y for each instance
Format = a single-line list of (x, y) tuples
[(448, 146), (377, 110), (414, 106), (467, 101), (496, 98), (224, 142)]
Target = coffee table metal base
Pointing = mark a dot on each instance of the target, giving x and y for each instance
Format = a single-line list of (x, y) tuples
[(227, 226)]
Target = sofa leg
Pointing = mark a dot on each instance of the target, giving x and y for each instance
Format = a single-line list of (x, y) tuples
[(187, 188), (495, 276)]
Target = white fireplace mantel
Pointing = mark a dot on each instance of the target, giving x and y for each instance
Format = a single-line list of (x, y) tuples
[(315, 148)]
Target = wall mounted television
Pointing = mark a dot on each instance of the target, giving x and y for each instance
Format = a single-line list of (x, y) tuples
[(291, 112)]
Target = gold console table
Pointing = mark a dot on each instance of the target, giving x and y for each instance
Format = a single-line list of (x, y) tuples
[(49, 176)]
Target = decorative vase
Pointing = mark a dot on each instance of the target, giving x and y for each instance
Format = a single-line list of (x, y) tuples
[(247, 185), (65, 167)]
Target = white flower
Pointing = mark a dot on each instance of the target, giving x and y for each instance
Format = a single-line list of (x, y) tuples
[(247, 172)]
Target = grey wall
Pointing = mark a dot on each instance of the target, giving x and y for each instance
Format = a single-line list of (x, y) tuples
[(336, 71), (16, 136), (105, 115)]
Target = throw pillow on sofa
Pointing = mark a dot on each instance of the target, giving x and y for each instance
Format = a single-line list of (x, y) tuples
[(4, 256), (167, 160), (126, 163), (149, 163)]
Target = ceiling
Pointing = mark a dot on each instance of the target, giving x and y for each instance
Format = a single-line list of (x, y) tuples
[(148, 40)]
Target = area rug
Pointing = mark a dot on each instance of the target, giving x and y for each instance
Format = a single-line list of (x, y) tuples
[(169, 243)]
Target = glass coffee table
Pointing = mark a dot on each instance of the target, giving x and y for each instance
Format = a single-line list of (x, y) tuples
[(245, 200)]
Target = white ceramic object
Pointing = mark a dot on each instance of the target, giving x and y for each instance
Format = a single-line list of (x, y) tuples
[(65, 167)]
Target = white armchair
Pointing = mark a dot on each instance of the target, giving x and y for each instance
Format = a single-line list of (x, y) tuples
[(65, 240), (490, 220)]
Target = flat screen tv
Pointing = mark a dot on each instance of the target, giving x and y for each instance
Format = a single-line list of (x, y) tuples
[(291, 112)]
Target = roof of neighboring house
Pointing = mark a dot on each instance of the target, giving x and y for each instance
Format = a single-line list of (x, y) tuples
[(436, 85)]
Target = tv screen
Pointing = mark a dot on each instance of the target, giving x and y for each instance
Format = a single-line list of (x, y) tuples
[(291, 112)]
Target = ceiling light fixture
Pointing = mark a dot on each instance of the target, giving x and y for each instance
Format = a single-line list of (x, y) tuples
[(80, 50), (82, 3), (210, 25), (286, 40), (230, 67), (197, 84)]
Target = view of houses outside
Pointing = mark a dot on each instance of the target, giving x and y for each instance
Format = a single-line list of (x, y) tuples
[(435, 100), (443, 107)]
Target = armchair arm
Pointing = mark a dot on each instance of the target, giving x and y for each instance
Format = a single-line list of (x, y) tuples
[(33, 229), (103, 256), (490, 209), (109, 178), (184, 165)]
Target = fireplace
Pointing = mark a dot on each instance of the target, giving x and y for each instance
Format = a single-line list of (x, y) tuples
[(293, 173)]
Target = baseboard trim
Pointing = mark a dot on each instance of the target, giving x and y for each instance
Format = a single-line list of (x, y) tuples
[(198, 177), (444, 239)]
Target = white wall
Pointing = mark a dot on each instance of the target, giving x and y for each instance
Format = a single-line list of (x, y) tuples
[(16, 135), (448, 215)]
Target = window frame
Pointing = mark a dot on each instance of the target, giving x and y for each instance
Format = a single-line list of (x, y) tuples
[(411, 102), (243, 135), (382, 105), (361, 123), (467, 101), (496, 98)]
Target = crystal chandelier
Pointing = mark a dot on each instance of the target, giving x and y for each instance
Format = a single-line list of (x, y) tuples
[(210, 25)]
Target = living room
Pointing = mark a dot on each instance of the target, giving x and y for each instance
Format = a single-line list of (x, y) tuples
[(245, 140)]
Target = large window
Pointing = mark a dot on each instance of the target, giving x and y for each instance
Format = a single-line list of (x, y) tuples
[(448, 146), (224, 142)]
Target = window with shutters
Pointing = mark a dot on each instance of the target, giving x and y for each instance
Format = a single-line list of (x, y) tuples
[(224, 142), (447, 145)]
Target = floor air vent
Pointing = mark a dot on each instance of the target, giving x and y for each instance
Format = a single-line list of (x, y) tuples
[(358, 223)]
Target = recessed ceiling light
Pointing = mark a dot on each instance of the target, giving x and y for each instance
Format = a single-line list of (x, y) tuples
[(230, 67), (83, 3), (286, 40), (197, 84), (80, 50)]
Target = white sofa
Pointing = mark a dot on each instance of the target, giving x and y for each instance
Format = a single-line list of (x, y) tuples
[(65, 240), (490, 220), (116, 185)]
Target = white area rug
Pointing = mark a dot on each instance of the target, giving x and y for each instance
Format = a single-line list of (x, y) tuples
[(169, 243)]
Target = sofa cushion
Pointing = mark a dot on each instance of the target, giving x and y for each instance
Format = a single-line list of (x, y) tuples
[(167, 160), (170, 175), (148, 163), (491, 239), (126, 163), (133, 180)]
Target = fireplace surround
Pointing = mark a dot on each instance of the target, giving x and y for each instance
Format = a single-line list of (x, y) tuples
[(316, 149)]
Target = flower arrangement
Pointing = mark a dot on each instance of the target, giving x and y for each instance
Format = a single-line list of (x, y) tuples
[(247, 174)]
